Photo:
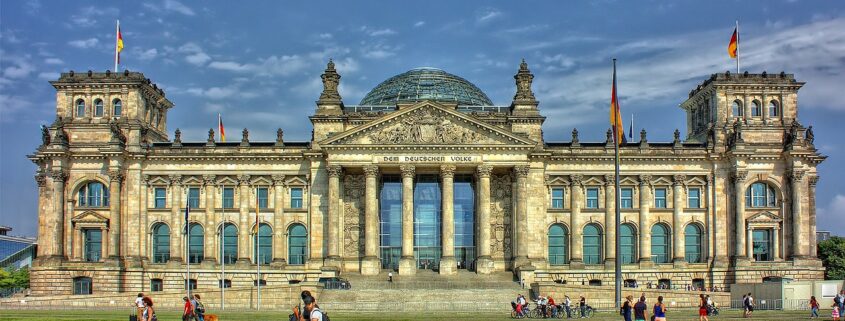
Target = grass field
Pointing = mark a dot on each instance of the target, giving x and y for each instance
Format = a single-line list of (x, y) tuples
[(97, 315)]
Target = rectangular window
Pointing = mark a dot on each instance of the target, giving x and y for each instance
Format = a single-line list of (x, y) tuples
[(557, 197), (261, 193), (82, 285), (156, 285), (160, 197), (296, 197), (659, 198), (694, 198), (228, 197), (762, 243), (194, 197), (192, 284), (592, 198), (93, 244), (626, 197)]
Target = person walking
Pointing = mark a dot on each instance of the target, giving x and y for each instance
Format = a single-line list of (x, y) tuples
[(188, 310), (641, 309), (659, 310), (390, 277), (313, 311), (702, 308), (199, 308), (749, 305), (627, 306), (148, 314), (814, 307), (582, 305), (567, 305), (139, 305)]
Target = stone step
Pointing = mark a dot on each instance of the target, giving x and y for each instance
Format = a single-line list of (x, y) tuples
[(419, 300)]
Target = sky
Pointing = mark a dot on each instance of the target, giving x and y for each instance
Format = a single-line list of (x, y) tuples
[(259, 64)]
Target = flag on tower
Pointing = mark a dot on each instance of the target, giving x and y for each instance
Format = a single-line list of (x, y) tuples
[(616, 113), (187, 211), (118, 47), (733, 45), (220, 128)]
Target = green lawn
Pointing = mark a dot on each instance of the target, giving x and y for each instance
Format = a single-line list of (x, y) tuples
[(97, 315)]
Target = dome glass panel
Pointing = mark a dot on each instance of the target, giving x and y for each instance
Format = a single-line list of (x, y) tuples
[(426, 84)]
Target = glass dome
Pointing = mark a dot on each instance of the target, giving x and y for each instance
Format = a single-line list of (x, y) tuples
[(426, 84)]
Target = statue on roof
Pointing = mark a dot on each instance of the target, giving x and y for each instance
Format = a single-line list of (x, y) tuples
[(331, 80)]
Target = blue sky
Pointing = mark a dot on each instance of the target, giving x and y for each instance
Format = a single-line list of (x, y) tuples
[(259, 63)]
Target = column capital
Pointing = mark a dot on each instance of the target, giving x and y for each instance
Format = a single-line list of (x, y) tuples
[(145, 179), (371, 170), (521, 170), (796, 175), (679, 180), (739, 176), (278, 179), (575, 179), (709, 179), (58, 175), (645, 180), (484, 170), (41, 179), (243, 179), (813, 180), (447, 171), (609, 180), (209, 179), (407, 170), (175, 179), (334, 170), (115, 175)]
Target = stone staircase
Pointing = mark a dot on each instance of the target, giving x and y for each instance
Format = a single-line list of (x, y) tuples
[(424, 292)]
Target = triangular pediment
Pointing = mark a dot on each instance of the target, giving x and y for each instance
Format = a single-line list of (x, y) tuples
[(427, 123), (764, 217), (89, 217)]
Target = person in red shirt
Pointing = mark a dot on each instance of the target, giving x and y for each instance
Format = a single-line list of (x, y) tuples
[(188, 311), (552, 308)]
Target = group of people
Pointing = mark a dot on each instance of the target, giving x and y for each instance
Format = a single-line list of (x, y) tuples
[(193, 310), (838, 306), (638, 311), (548, 307), (144, 308), (309, 310)]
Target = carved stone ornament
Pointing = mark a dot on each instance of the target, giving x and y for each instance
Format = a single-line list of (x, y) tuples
[(813, 180), (523, 78), (334, 170), (115, 176), (797, 175), (245, 138), (575, 136), (116, 133), (447, 171), (331, 80), (643, 135), (175, 179), (40, 179), (484, 170), (353, 187), (645, 180), (211, 135), (371, 171), (280, 136), (243, 179), (407, 170), (500, 215), (426, 126), (609, 139), (576, 179), (609, 180), (521, 170), (278, 179), (145, 179), (739, 176), (679, 179), (45, 135), (58, 175)]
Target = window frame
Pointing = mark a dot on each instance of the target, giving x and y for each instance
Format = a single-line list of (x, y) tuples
[(773, 109), (263, 203), (80, 107), (660, 202), (622, 198), (697, 198), (297, 259), (591, 202), (768, 198), (227, 201), (561, 253), (194, 201), (79, 282), (263, 247), (156, 285), (594, 259), (555, 200), (117, 107), (633, 244), (297, 202), (157, 240), (91, 246), (99, 109), (767, 256), (86, 196), (756, 109), (160, 201), (737, 108), (232, 248), (664, 255), (698, 246), (193, 257)]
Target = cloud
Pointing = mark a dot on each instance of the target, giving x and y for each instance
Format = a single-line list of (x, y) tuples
[(830, 216), (273, 65), (378, 51), (85, 43), (195, 54), (325, 35), (419, 24), (48, 75), (90, 16), (21, 68), (213, 92), (488, 14), (378, 32), (13, 107), (148, 54), (176, 6), (53, 61)]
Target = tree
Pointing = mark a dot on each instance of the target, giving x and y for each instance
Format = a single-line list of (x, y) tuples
[(832, 254), (14, 278)]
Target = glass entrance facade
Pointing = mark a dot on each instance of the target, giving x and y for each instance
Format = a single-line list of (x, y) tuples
[(464, 204), (427, 203), (390, 221)]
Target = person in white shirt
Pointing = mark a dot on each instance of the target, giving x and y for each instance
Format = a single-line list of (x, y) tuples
[(314, 312), (566, 303), (139, 304)]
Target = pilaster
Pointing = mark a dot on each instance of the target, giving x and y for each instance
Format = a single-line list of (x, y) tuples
[(371, 264), (577, 249), (407, 263), (484, 264), (645, 228), (448, 265), (333, 259)]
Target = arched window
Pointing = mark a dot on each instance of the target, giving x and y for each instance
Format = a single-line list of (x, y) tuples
[(98, 108), (592, 244), (737, 109), (263, 244), (161, 243), (117, 107), (229, 243), (760, 195), (693, 244), (558, 239), (660, 240), (774, 109), (80, 108), (628, 243), (297, 241), (756, 109), (93, 194), (82, 285), (197, 244)]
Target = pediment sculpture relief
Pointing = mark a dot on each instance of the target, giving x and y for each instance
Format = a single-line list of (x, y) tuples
[(426, 126)]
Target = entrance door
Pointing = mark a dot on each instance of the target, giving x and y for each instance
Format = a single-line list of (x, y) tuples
[(427, 221), (390, 221)]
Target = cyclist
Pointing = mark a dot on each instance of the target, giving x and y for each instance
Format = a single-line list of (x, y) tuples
[(567, 305), (582, 304)]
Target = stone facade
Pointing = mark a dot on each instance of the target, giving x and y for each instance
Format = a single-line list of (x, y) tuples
[(330, 187)]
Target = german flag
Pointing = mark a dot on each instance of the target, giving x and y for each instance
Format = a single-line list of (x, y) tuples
[(732, 46), (220, 128), (616, 113)]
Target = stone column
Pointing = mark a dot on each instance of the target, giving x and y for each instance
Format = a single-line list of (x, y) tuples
[(776, 243), (143, 227), (244, 231), (68, 230), (577, 247), (521, 173), (677, 219), (797, 187), (407, 264), (448, 265), (57, 219), (739, 217), (749, 243), (333, 259), (77, 244), (177, 221), (813, 181), (371, 264), (610, 219), (211, 230), (765, 108), (484, 263), (115, 178), (645, 227), (278, 219)]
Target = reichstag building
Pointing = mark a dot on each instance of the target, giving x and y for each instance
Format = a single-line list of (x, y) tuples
[(425, 173)]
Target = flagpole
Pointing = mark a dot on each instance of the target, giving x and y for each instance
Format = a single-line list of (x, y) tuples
[(116, 52), (222, 255), (188, 249), (618, 219), (737, 47), (257, 254)]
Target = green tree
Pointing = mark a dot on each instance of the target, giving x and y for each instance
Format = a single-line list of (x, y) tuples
[(832, 254), (14, 278)]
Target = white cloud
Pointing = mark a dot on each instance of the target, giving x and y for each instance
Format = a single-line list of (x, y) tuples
[(85, 43), (213, 92), (176, 6), (419, 24), (325, 35), (13, 107), (195, 54), (378, 32), (378, 51), (53, 61), (273, 65), (48, 75), (148, 54), (20, 69), (90, 16), (488, 15)]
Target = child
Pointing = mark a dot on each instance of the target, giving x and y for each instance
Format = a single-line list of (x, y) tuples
[(835, 313)]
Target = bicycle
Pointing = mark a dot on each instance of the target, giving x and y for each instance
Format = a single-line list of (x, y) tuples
[(588, 311)]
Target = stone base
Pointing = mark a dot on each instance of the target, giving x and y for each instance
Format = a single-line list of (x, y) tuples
[(521, 261), (679, 263), (610, 263), (576, 264), (484, 265), (370, 266), (333, 261), (646, 263), (448, 265), (741, 261), (407, 266)]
